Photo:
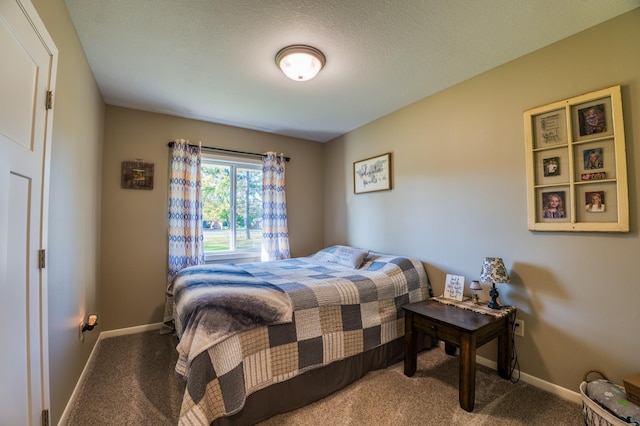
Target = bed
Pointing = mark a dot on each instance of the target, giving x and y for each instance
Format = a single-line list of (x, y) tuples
[(258, 339)]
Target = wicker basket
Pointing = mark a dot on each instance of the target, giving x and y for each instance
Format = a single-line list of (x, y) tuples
[(594, 414)]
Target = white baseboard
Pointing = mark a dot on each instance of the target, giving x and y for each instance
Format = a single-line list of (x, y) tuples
[(103, 335), (539, 383), (130, 330)]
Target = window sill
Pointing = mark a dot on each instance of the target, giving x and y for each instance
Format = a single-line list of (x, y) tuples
[(237, 257)]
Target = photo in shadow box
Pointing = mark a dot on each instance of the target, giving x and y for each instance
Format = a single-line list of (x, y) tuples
[(551, 166), (594, 201), (592, 120), (593, 159), (553, 205)]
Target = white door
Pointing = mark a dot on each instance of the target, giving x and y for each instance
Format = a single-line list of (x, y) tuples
[(27, 73)]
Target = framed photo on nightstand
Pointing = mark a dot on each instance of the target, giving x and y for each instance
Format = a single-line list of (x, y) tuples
[(454, 287)]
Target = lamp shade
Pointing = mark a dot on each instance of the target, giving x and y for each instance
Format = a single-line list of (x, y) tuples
[(475, 285), (494, 271), (299, 62)]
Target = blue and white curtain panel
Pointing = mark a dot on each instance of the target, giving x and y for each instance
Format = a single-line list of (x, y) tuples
[(275, 234), (186, 240)]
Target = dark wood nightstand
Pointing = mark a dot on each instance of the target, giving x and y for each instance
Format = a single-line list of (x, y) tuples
[(462, 328)]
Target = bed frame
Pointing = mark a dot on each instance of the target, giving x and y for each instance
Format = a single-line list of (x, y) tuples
[(317, 384)]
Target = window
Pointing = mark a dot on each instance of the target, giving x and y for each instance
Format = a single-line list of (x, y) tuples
[(231, 207)]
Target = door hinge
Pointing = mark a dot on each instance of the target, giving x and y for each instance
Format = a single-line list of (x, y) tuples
[(45, 417), (49, 99), (42, 254)]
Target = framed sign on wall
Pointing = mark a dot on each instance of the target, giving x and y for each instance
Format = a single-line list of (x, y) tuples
[(576, 164), (372, 174)]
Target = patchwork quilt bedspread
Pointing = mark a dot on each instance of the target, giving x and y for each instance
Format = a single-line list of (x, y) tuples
[(245, 327)]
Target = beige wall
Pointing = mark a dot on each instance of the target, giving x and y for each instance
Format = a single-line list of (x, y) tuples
[(74, 206), (134, 222), (460, 195), (576, 292)]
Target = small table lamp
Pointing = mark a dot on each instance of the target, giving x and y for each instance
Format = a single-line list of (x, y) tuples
[(494, 271), (475, 287)]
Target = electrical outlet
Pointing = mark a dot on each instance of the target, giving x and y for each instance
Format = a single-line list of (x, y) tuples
[(519, 328)]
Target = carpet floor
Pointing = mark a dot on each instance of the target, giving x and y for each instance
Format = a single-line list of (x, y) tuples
[(132, 382)]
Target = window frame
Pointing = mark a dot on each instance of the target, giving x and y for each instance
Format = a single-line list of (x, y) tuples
[(234, 162), (565, 141)]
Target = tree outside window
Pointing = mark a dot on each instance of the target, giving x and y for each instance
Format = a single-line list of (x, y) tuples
[(232, 206)]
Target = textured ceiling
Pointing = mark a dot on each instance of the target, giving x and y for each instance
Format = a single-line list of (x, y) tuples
[(213, 60)]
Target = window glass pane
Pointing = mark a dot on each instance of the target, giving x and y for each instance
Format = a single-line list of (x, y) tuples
[(216, 205), (248, 209), (231, 206)]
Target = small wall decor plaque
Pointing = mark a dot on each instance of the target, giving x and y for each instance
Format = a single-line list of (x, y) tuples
[(137, 175)]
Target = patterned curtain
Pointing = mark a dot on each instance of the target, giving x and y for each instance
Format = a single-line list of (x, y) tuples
[(186, 240), (275, 235)]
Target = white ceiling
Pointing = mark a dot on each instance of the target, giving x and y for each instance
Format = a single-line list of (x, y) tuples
[(213, 60)]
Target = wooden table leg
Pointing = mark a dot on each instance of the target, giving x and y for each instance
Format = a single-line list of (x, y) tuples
[(449, 348), (467, 379), (410, 346), (505, 342)]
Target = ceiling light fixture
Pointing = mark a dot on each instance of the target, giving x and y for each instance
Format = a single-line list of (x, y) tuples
[(300, 62)]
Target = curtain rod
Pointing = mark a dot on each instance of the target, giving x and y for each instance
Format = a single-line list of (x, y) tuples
[(210, 148)]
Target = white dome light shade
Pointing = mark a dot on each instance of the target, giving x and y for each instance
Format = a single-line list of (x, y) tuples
[(300, 63)]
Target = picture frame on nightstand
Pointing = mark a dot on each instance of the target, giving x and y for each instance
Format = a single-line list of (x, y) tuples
[(454, 287)]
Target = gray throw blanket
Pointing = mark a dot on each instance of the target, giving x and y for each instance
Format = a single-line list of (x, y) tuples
[(213, 302)]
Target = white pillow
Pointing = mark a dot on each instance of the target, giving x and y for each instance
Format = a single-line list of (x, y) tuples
[(349, 256)]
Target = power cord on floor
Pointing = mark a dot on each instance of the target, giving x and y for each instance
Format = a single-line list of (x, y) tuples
[(513, 362)]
